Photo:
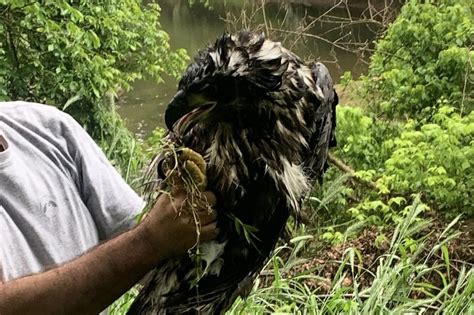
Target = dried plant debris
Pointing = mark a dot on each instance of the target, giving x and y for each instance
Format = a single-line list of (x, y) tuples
[(442, 254)]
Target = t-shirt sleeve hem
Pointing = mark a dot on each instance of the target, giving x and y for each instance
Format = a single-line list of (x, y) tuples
[(128, 222)]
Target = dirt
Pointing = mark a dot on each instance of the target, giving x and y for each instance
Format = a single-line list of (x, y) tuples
[(325, 263)]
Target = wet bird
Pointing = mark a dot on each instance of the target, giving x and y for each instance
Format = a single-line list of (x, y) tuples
[(263, 121)]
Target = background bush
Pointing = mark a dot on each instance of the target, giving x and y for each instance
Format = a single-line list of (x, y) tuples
[(416, 133), (424, 58), (76, 55), (435, 159)]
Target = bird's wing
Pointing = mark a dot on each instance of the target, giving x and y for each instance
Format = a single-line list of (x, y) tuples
[(323, 121)]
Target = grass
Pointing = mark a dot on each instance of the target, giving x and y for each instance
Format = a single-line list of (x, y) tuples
[(123, 303), (400, 280)]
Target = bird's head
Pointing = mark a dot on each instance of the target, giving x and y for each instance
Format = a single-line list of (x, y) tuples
[(226, 79)]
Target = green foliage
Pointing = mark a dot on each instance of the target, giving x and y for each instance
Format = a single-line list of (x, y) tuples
[(435, 159), (346, 79), (360, 137), (122, 304), (422, 65), (77, 55), (246, 230), (400, 276), (152, 144), (425, 57), (432, 158), (332, 236), (118, 144), (56, 50)]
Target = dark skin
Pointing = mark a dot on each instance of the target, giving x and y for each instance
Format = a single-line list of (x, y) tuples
[(91, 282)]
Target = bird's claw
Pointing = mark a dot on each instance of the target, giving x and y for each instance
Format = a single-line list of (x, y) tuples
[(185, 170)]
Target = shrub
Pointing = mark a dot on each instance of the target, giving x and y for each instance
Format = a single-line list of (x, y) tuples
[(436, 160), (432, 158), (408, 140), (72, 54), (360, 137), (55, 51), (425, 57)]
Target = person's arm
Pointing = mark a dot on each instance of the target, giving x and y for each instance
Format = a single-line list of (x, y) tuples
[(88, 284)]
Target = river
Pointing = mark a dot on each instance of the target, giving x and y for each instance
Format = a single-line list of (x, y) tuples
[(194, 26)]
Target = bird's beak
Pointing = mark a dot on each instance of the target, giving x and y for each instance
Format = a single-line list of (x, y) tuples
[(188, 104), (177, 108)]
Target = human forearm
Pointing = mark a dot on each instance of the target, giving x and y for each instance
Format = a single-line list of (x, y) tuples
[(86, 285)]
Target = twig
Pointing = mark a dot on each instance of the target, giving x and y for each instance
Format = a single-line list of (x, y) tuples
[(264, 17), (465, 83), (313, 36), (347, 169)]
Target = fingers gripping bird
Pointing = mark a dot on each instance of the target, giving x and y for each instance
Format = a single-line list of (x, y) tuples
[(263, 122)]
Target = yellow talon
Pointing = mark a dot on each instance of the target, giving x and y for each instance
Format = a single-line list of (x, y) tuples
[(188, 154), (195, 174), (191, 169)]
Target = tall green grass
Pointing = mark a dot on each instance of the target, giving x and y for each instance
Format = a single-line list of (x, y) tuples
[(399, 283)]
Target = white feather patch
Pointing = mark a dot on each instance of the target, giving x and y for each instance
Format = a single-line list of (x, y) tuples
[(319, 93), (308, 79), (211, 253), (236, 60), (302, 140), (270, 50), (299, 114), (295, 181), (216, 58)]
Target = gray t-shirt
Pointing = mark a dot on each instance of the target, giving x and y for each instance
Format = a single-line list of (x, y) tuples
[(59, 196)]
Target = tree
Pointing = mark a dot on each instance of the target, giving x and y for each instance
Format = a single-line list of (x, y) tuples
[(72, 53)]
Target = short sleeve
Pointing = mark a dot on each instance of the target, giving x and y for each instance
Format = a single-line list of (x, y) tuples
[(112, 203)]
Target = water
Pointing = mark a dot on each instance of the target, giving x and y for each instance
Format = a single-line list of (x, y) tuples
[(193, 27)]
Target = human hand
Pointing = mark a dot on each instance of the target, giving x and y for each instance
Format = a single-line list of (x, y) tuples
[(170, 228)]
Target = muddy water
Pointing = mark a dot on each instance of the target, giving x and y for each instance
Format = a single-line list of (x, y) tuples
[(193, 27)]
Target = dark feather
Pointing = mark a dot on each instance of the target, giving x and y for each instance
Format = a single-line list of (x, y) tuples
[(265, 141)]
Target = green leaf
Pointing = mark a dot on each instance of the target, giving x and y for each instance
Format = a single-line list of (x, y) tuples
[(71, 101)]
